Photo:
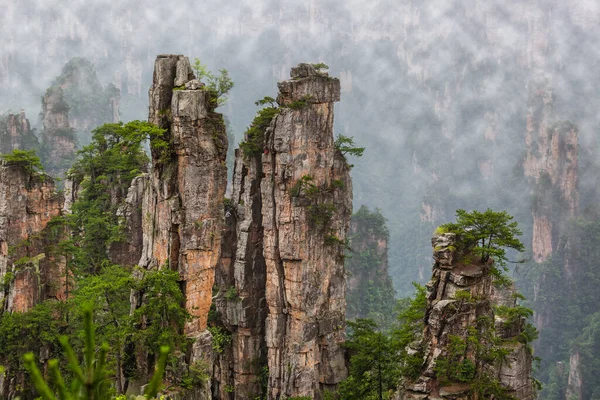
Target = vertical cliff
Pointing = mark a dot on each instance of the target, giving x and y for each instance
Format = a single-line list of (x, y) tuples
[(16, 133), (29, 272), (471, 345), (280, 286), (182, 197), (552, 162), (240, 304), (90, 104), (58, 138), (307, 202), (370, 292)]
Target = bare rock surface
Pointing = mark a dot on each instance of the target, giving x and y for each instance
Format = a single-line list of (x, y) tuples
[(16, 133), (181, 200), (58, 136), (305, 287), (281, 287), (28, 203)]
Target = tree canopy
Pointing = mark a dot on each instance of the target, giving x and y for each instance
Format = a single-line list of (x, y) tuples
[(492, 232)]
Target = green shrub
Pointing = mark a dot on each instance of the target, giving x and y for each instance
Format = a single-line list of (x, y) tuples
[(221, 338), (90, 380), (26, 158), (218, 86), (254, 142), (345, 144), (232, 294), (301, 103)]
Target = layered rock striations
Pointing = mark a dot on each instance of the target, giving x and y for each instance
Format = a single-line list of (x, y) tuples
[(307, 203), (281, 288), (16, 133), (29, 271), (58, 138), (240, 282), (182, 198), (552, 162), (90, 104), (465, 333)]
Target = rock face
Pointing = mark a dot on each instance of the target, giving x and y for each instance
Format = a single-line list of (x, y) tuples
[(182, 198), (29, 272), (575, 381), (16, 133), (281, 287), (304, 234), (370, 292), (460, 329), (90, 104), (240, 280), (552, 162), (58, 136)]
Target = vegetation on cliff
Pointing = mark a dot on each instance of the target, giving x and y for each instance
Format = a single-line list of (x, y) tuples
[(254, 137), (486, 235), (382, 358), (91, 380), (218, 86), (26, 158), (370, 291), (563, 292), (103, 173)]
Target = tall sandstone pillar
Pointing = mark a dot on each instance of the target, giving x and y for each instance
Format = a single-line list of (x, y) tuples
[(30, 273), (240, 281), (281, 284), (552, 162), (182, 201), (305, 228)]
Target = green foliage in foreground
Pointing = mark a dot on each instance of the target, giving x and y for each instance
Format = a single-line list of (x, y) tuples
[(26, 158), (158, 322), (161, 316), (374, 368), (91, 380), (23, 332), (377, 358)]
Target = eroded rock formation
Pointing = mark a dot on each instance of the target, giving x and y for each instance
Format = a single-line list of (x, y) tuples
[(281, 288), (370, 292), (90, 104), (240, 282), (16, 133), (464, 331), (58, 136), (29, 271), (551, 160), (181, 199), (304, 233)]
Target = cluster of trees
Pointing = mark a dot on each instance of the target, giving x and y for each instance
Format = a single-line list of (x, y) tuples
[(103, 170), (382, 352), (564, 290), (84, 238), (379, 350)]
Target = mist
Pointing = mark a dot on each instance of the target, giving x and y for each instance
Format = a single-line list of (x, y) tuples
[(436, 91)]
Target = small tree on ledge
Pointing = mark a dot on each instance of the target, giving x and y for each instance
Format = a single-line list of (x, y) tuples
[(491, 232)]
